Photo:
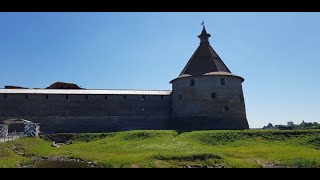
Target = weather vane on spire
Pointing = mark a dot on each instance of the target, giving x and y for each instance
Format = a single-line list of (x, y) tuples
[(202, 24)]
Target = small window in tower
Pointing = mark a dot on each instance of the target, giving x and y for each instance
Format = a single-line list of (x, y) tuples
[(180, 97), (47, 96), (26, 96), (67, 97), (192, 82), (226, 108), (161, 97), (5, 96), (105, 97), (125, 97), (143, 97), (222, 81), (213, 95), (86, 97)]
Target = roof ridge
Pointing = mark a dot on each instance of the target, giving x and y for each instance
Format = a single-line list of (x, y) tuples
[(186, 66), (83, 89), (213, 51)]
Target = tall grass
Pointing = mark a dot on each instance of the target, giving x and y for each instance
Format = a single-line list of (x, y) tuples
[(167, 148)]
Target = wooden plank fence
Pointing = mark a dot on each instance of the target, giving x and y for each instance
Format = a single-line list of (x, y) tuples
[(11, 136)]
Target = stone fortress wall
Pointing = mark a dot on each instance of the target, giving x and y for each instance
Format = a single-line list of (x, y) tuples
[(88, 113)]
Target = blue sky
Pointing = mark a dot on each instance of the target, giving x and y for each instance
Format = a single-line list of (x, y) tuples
[(276, 53)]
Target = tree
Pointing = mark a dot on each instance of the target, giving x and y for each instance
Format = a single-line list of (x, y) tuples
[(269, 125)]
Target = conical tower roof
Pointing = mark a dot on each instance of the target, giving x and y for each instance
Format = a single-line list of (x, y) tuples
[(205, 61)]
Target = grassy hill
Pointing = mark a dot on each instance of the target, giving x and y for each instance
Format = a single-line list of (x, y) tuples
[(166, 148)]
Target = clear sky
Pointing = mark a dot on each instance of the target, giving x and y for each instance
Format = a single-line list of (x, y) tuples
[(278, 54)]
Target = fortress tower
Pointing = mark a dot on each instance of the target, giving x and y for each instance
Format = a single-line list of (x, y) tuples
[(206, 95)]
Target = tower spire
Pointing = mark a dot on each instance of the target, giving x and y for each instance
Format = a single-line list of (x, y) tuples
[(204, 36), (203, 24)]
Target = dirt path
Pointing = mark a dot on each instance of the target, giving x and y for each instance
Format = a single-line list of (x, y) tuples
[(266, 164)]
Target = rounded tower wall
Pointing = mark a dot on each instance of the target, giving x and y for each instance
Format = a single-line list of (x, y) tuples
[(208, 102), (207, 96)]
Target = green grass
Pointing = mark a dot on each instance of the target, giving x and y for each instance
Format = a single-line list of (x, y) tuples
[(10, 159), (166, 148)]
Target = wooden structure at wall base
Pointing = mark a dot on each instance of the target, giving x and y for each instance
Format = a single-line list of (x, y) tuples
[(31, 129)]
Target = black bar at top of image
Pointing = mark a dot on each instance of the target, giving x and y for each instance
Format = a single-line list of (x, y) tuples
[(157, 6)]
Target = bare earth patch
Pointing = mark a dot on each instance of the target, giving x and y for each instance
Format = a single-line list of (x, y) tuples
[(266, 164)]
